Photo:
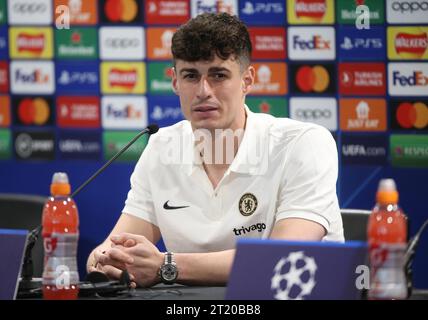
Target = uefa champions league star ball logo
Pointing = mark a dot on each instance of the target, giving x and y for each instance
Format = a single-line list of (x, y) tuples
[(294, 276)]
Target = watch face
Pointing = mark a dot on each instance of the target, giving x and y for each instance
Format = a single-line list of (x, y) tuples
[(169, 272)]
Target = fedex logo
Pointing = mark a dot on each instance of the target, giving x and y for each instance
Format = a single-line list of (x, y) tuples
[(317, 43), (124, 112), (29, 77), (311, 43), (36, 76), (408, 79), (128, 112)]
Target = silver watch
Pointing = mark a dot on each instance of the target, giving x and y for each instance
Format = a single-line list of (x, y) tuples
[(168, 272)]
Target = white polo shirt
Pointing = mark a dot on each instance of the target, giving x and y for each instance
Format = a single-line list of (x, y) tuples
[(283, 169)]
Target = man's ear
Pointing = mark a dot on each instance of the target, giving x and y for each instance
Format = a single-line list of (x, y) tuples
[(174, 80), (248, 79)]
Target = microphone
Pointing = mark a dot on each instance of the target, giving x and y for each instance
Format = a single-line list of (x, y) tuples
[(27, 267)]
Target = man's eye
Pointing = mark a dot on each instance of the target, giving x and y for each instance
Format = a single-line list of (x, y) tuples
[(190, 76), (219, 76)]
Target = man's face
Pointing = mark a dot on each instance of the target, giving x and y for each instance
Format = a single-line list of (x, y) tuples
[(212, 93)]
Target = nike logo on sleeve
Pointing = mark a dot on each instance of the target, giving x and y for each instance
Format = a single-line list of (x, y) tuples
[(166, 206)]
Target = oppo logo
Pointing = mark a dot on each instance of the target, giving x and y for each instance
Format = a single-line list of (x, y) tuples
[(122, 43), (315, 114), (25, 7), (410, 6)]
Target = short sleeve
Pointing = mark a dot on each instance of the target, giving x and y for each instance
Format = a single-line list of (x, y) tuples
[(139, 201), (308, 186)]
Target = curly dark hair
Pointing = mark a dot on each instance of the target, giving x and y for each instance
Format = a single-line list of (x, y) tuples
[(210, 34)]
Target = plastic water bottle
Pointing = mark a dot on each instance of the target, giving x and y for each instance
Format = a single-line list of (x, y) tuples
[(60, 237), (387, 239)]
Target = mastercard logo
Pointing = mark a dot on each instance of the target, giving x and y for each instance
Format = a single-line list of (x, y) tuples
[(121, 10), (412, 115), (33, 111), (315, 78)]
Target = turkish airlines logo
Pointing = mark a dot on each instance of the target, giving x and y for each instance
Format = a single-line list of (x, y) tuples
[(34, 12), (321, 111), (312, 78), (308, 43), (4, 77), (408, 43), (409, 115), (78, 112), (167, 11), (362, 77), (408, 79), (123, 43), (363, 114), (268, 43), (33, 111)]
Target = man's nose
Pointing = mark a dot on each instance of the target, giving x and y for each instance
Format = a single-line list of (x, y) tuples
[(204, 88)]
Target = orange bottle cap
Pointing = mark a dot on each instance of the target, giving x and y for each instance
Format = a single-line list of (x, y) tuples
[(60, 189), (387, 197)]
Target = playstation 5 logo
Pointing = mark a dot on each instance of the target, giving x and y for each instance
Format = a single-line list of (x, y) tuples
[(262, 7)]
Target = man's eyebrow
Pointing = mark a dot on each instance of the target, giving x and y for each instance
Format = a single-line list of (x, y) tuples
[(210, 70), (190, 70)]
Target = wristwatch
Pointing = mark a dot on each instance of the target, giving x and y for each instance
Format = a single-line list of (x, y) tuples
[(168, 272)]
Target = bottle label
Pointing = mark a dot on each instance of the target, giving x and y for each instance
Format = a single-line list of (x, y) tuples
[(388, 280)]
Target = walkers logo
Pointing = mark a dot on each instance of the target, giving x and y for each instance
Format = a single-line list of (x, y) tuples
[(409, 150), (120, 11), (257, 12), (4, 111), (364, 44), (406, 11), (4, 144), (81, 12), (113, 141), (268, 43), (160, 74), (322, 111), (78, 112), (362, 78), (79, 145), (362, 114), (37, 145), (273, 106), (167, 11), (159, 43), (409, 43), (312, 78), (77, 77), (214, 6), (409, 115), (76, 43), (165, 111), (30, 43), (30, 12), (4, 52), (32, 77), (4, 77), (271, 78), (408, 79), (123, 77), (3, 12), (310, 11), (34, 111), (122, 43), (311, 43), (124, 112), (346, 13), (364, 149)]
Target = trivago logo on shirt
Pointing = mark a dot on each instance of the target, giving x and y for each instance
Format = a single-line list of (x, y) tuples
[(322, 111), (274, 106), (4, 77), (347, 14), (30, 43), (33, 111), (311, 43), (5, 111), (409, 150), (77, 77), (113, 141), (159, 43), (214, 6), (160, 74), (310, 11), (364, 149), (408, 79), (271, 78), (408, 43), (124, 112), (79, 145), (78, 112), (313, 78), (362, 114), (30, 12), (76, 43), (81, 12), (257, 12), (268, 43), (123, 77), (365, 44), (362, 79), (32, 77), (164, 110), (167, 11), (5, 144), (409, 115)]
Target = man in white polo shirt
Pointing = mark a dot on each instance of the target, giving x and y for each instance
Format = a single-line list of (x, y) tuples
[(223, 173)]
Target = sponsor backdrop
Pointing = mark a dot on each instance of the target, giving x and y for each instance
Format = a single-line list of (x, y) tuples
[(70, 97)]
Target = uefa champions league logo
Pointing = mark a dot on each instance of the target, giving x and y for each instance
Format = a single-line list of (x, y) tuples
[(294, 276)]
